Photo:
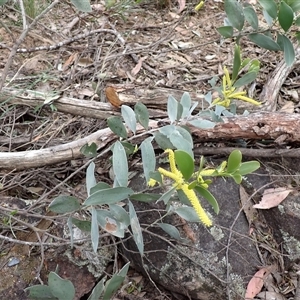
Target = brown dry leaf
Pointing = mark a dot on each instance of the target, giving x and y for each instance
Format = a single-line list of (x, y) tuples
[(256, 283), (270, 296), (138, 66), (272, 197), (70, 60), (84, 62), (288, 107), (181, 5), (112, 96)]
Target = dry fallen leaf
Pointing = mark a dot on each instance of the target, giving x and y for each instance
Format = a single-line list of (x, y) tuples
[(112, 96), (272, 197), (138, 66), (181, 5), (256, 283), (70, 61)]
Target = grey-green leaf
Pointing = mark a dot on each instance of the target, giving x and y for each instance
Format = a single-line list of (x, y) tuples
[(94, 230), (142, 114), (61, 288), (97, 290), (203, 124), (40, 292), (289, 51), (245, 79), (226, 31), (144, 197), (136, 229), (64, 204), (89, 150), (285, 16), (117, 127), (82, 224), (186, 104), (235, 14), (264, 41), (172, 107), (148, 157), (82, 5), (163, 141), (270, 6), (120, 164), (188, 213), (171, 231), (129, 117), (251, 17), (90, 177), (108, 196)]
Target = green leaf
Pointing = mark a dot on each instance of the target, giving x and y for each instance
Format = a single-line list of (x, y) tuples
[(97, 290), (99, 186), (236, 62), (82, 5), (61, 288), (117, 127), (285, 16), (2, 2), (226, 31), (179, 111), (248, 167), (188, 213), (234, 161), (129, 148), (90, 179), (94, 230), (64, 204), (156, 176), (297, 21), (186, 104), (115, 282), (108, 223), (237, 178), (40, 292), (167, 195), (171, 231), (120, 164), (148, 157), (245, 79), (203, 124), (209, 197), (289, 51), (82, 224), (163, 141), (136, 228), (144, 197), (270, 6), (108, 196), (235, 14), (251, 17), (185, 163), (89, 150), (172, 107), (264, 41), (120, 214), (180, 142), (294, 4), (129, 117), (142, 114), (268, 18)]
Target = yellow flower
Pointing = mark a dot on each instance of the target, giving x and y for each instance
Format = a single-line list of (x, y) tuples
[(229, 93), (152, 182), (180, 184), (199, 5)]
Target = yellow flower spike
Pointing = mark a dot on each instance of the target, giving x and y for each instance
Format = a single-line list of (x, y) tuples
[(228, 80), (196, 205), (250, 100), (207, 172), (236, 95), (199, 6), (175, 176), (152, 182), (172, 160)]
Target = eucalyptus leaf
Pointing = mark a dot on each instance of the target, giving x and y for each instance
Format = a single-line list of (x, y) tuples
[(172, 107), (108, 196), (226, 31), (136, 229), (64, 204), (142, 114), (61, 288), (117, 127), (285, 16), (120, 164), (129, 117), (264, 41), (235, 13), (148, 157)]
